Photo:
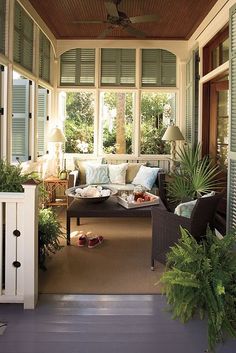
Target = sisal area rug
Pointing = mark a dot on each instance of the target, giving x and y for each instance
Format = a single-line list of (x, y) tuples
[(120, 265)]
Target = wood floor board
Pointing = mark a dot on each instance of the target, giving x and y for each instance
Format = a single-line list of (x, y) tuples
[(64, 324)]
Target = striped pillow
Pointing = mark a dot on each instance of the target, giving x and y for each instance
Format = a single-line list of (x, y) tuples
[(97, 174)]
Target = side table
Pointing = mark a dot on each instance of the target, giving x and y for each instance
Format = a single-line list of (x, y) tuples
[(56, 191)]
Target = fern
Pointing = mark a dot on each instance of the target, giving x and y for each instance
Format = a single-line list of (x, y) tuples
[(11, 178), (201, 278)]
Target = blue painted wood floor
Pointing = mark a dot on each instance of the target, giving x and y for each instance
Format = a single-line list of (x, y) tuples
[(101, 324)]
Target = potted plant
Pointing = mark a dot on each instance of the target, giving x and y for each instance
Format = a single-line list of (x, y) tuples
[(201, 279), (49, 235), (11, 180), (193, 176)]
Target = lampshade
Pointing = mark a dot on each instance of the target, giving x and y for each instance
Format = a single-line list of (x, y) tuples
[(172, 133), (56, 135)]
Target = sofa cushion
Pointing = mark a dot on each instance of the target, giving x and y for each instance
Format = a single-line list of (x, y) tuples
[(146, 177), (132, 171), (117, 173), (96, 174)]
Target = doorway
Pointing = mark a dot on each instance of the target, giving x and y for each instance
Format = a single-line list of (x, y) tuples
[(215, 131)]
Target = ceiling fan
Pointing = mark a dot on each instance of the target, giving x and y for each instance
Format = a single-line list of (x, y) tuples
[(116, 18)]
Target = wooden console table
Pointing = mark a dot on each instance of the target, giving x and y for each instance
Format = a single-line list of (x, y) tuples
[(56, 191)]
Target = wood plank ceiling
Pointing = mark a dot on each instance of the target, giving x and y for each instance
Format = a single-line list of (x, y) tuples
[(177, 19)]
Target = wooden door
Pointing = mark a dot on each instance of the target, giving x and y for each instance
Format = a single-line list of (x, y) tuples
[(219, 123)]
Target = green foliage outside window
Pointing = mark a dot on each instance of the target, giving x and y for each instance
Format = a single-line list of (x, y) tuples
[(79, 125)]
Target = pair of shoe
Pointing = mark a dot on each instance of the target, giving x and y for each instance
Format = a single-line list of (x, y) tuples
[(91, 242)]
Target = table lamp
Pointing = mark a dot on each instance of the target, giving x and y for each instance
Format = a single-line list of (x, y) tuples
[(57, 137), (173, 134)]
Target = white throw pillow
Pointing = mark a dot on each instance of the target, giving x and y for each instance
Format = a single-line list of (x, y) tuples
[(117, 173), (146, 177), (185, 209), (97, 174)]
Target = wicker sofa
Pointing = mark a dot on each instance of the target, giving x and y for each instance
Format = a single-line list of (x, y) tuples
[(78, 177)]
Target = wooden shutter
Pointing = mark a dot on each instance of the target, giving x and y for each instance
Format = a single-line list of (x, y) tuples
[(191, 120), (44, 57), (158, 68), (20, 120), (78, 67), (41, 121), (2, 25), (189, 102), (231, 207), (23, 38), (118, 67)]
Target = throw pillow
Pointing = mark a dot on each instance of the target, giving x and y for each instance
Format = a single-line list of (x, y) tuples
[(117, 173), (97, 174), (81, 166), (146, 177), (132, 171), (185, 209)]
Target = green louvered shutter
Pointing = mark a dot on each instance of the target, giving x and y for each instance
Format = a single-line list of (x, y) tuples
[(231, 207), (44, 57), (20, 120), (189, 102), (191, 120), (158, 68), (118, 67), (78, 67), (2, 25), (41, 121), (23, 38)]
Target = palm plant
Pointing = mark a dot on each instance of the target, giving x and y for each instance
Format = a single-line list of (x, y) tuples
[(193, 177)]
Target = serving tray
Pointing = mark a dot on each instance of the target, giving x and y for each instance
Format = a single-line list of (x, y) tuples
[(135, 204)]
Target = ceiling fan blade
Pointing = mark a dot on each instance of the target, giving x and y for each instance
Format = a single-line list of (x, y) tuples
[(111, 9), (145, 18), (89, 21), (135, 32), (105, 33)]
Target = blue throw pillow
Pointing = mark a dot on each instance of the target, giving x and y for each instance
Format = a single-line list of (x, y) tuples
[(146, 177), (97, 174)]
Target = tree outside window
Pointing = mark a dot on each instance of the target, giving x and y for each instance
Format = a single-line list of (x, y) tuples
[(157, 112), (79, 123)]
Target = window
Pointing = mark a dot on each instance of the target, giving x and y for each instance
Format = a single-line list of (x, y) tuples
[(2, 25), (157, 111), (20, 119), (79, 123), (78, 67), (216, 52), (118, 67), (117, 120), (121, 116), (23, 38), (44, 57), (41, 120), (158, 68)]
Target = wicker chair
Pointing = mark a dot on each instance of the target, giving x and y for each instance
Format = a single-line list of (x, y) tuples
[(166, 225)]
